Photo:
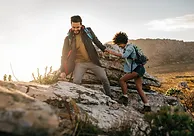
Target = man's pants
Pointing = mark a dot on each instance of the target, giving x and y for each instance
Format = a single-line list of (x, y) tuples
[(81, 68)]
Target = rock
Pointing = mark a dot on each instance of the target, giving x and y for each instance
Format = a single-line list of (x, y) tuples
[(183, 85), (20, 114), (76, 102)]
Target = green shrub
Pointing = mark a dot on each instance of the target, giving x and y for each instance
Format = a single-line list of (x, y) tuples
[(5, 77), (48, 77), (173, 92), (170, 121)]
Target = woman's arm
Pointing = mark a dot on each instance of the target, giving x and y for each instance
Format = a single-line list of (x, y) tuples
[(126, 53), (114, 53)]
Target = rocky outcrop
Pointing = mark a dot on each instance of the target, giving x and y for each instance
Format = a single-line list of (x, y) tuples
[(74, 102), (21, 114), (24, 107)]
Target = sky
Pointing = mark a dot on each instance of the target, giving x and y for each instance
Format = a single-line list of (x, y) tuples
[(32, 31)]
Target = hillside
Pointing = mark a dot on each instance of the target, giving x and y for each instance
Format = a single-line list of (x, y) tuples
[(167, 55), (169, 59)]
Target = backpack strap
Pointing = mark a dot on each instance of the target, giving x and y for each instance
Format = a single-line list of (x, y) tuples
[(87, 31), (129, 57), (137, 55)]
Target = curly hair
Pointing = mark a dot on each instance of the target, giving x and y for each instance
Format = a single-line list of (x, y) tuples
[(120, 38)]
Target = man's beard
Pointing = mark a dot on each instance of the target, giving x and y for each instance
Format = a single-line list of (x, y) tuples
[(76, 32)]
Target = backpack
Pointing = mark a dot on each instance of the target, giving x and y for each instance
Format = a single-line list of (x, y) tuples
[(141, 58)]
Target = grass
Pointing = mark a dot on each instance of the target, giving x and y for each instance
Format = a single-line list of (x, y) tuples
[(170, 82)]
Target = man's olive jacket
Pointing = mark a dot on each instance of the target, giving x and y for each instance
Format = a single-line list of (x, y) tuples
[(70, 44)]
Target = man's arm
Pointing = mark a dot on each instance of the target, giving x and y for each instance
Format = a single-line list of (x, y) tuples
[(64, 53), (96, 41)]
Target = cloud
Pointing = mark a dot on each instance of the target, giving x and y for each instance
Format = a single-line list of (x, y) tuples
[(173, 24)]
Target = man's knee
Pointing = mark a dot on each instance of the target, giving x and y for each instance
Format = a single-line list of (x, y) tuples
[(104, 79)]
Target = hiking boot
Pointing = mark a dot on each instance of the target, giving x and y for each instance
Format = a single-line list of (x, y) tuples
[(123, 100), (146, 109)]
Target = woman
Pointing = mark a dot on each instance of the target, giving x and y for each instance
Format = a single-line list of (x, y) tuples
[(132, 70)]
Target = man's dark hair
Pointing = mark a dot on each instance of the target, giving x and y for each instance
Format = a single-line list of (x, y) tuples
[(76, 19), (120, 38)]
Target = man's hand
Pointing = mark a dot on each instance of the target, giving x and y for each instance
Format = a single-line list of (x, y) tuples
[(62, 76), (108, 51)]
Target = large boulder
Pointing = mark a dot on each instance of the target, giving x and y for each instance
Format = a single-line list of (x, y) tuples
[(23, 115), (76, 102)]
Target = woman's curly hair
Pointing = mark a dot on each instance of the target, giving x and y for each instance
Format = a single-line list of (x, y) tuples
[(120, 38)]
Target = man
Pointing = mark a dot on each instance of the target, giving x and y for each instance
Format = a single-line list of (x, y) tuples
[(132, 69), (86, 56)]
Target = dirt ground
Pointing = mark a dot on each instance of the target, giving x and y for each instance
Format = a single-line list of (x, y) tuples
[(171, 75)]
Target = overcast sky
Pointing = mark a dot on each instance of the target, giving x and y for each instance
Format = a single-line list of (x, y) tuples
[(32, 31)]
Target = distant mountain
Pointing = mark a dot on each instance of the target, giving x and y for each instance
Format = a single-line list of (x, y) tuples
[(165, 51)]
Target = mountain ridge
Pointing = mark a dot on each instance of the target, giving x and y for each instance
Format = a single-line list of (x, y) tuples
[(164, 52)]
